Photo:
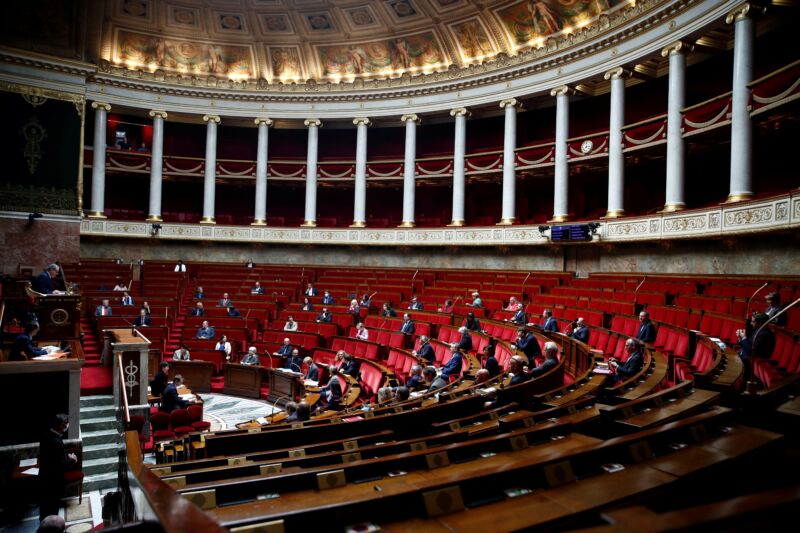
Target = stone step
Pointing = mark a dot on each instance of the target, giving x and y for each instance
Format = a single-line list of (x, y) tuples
[(93, 401), (98, 424), (94, 438), (100, 451), (100, 481), (105, 465), (97, 411)]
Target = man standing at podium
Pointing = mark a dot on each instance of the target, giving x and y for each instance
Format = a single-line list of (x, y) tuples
[(43, 283)]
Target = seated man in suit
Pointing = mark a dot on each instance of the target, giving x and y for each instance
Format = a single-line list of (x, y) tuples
[(580, 332), (632, 365), (43, 283), (425, 350), (199, 294), (327, 299), (291, 411), (179, 267), (415, 304), (198, 310), (350, 366), (233, 312), (453, 366), (181, 354), (205, 331), (519, 317), (126, 300), (286, 349), (257, 288), (290, 324), (143, 320), (758, 344), (526, 342), (312, 370), (310, 290), (549, 322), (160, 380), (387, 311), (104, 309), (225, 301), (331, 394), (23, 348), (251, 357), (517, 367), (408, 325), (324, 316), (170, 399), (774, 307), (490, 363), (647, 331), (465, 344), (481, 376), (294, 361), (415, 381), (550, 359)]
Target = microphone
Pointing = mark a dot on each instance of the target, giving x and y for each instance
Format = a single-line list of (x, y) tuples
[(299, 369), (753, 296), (272, 416), (636, 291)]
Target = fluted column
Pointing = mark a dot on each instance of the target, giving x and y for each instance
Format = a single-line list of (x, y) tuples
[(210, 176), (260, 217), (509, 214), (99, 160), (741, 184), (409, 169), (561, 188), (459, 149), (676, 172), (616, 159), (313, 126), (360, 198), (156, 165)]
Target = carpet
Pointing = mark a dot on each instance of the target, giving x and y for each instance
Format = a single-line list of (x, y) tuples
[(95, 380)]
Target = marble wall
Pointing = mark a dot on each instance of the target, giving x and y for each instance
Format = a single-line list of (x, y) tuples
[(771, 255), (38, 243)]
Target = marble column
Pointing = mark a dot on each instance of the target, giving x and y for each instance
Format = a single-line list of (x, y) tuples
[(459, 149), (676, 172), (99, 160), (509, 214), (741, 184), (409, 169), (561, 188), (156, 165), (360, 199), (616, 159), (313, 125), (260, 217), (210, 176)]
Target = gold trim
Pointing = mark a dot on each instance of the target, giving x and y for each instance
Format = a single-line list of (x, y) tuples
[(413, 117), (212, 118), (208, 220), (614, 213), (559, 218), (263, 120), (362, 120), (456, 223), (313, 122), (507, 221), (738, 197), (95, 214), (673, 207), (259, 222), (358, 224), (407, 224), (79, 185), (309, 224), (154, 218)]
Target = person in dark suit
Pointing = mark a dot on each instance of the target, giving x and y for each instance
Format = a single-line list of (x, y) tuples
[(170, 399), (517, 367), (291, 410), (43, 283), (465, 344), (324, 316), (327, 299), (387, 311), (126, 300), (257, 288), (633, 364), (759, 344), (294, 361), (23, 348), (490, 363), (550, 323), (143, 320), (426, 350), (580, 332), (526, 342), (408, 325), (251, 357), (233, 312), (472, 323), (414, 381), (225, 301), (198, 310), (415, 304), (104, 309), (453, 366), (331, 393), (519, 317), (53, 464), (774, 307), (160, 380), (647, 331), (199, 294), (307, 306), (351, 367), (205, 331), (312, 370), (286, 349), (550, 360), (311, 290)]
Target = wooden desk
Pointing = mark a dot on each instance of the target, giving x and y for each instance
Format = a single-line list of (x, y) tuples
[(196, 374), (243, 380), (284, 386)]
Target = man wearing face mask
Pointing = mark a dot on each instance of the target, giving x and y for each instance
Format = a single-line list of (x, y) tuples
[(53, 463)]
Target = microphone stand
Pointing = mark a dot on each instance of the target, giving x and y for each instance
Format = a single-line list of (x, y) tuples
[(779, 313), (636, 291), (272, 415), (753, 296), (522, 290)]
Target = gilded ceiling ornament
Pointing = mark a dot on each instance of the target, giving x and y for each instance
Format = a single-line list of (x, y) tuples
[(34, 100), (34, 134)]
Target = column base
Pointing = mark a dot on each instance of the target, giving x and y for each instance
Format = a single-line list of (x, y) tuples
[(673, 207), (259, 222), (208, 220), (309, 224), (358, 224), (407, 224), (154, 218), (614, 213), (507, 221), (95, 214), (456, 223), (559, 218), (738, 197)]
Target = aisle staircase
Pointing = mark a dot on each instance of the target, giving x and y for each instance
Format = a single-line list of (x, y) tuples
[(95, 379), (101, 442)]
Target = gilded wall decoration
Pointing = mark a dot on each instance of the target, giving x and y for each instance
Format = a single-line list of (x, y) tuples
[(473, 39), (285, 62), (316, 22), (144, 50), (184, 17), (137, 9), (361, 17), (375, 57), (748, 216), (402, 9), (230, 22), (34, 134), (273, 23)]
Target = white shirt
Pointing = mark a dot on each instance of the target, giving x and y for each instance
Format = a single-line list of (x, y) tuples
[(362, 335), (290, 326), (226, 347), (180, 268)]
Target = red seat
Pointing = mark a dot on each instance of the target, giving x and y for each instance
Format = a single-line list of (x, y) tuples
[(159, 426), (136, 424), (180, 422), (196, 417)]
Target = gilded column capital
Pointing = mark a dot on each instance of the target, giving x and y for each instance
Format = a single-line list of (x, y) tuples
[(510, 102), (413, 117), (211, 118), (744, 11), (678, 47), (103, 105), (617, 72), (561, 91), (460, 112), (358, 121), (263, 120), (156, 113), (313, 122)]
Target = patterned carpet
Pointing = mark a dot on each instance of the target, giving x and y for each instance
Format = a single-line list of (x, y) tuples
[(224, 412)]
